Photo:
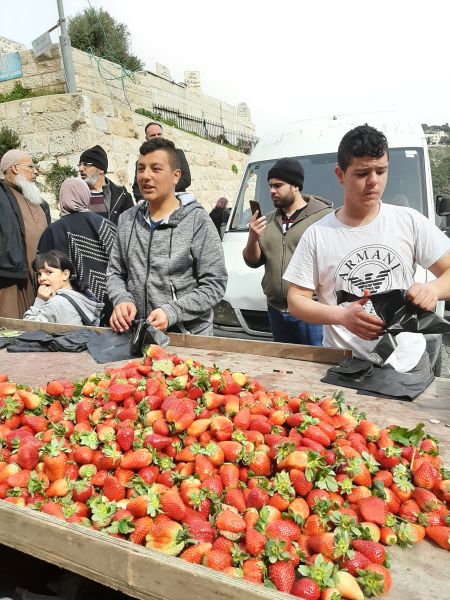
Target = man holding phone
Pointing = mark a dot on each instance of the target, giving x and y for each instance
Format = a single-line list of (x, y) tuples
[(272, 239)]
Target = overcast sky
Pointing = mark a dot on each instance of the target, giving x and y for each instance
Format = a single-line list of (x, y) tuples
[(288, 59)]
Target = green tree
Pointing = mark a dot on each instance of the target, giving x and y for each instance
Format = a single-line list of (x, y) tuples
[(96, 30), (9, 140), (440, 168)]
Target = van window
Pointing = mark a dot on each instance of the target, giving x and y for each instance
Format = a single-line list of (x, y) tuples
[(405, 187)]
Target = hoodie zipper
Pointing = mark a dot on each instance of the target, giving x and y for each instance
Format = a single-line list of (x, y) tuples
[(147, 274)]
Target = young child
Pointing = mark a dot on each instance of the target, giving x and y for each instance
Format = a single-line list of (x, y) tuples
[(61, 297)]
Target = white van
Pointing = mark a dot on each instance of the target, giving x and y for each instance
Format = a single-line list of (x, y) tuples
[(243, 311)]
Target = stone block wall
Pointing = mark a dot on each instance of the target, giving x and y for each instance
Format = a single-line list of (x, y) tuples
[(60, 127), (103, 79)]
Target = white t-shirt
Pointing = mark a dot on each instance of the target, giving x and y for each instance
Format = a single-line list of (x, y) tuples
[(380, 256)]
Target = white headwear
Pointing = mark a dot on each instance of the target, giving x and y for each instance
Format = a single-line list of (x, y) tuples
[(9, 159)]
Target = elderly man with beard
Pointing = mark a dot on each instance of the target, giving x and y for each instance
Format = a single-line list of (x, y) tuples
[(107, 199), (24, 216)]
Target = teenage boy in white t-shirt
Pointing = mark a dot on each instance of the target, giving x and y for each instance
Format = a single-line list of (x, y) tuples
[(364, 247)]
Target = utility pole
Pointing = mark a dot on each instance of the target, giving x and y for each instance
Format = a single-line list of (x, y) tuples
[(66, 51)]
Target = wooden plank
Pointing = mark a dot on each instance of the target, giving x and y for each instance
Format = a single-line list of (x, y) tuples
[(135, 570), (297, 351), (21, 325)]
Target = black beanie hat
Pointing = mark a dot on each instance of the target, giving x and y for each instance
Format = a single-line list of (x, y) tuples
[(289, 170), (97, 156)]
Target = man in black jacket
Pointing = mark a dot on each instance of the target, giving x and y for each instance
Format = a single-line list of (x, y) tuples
[(107, 199), (24, 216), (154, 130)]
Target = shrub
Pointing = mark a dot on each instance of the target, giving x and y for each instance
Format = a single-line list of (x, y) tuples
[(55, 177), (9, 140)]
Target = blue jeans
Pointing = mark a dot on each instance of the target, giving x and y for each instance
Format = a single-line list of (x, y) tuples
[(289, 330)]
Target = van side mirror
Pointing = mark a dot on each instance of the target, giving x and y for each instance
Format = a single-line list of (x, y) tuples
[(443, 205)]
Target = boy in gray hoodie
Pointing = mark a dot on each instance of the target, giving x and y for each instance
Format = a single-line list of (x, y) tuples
[(167, 263)]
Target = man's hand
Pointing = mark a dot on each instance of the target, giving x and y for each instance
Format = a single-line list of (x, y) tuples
[(355, 319), (122, 316), (158, 319), (45, 292), (256, 226), (423, 296)]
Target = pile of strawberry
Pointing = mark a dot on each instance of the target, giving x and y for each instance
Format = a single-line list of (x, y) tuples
[(300, 493)]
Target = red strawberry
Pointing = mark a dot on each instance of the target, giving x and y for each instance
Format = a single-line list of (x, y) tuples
[(136, 460), (359, 561), (196, 553), (426, 499), (257, 498), (227, 521), (125, 438), (254, 541), (201, 530), (283, 529), (235, 497), (440, 534), (374, 551), (426, 475), (282, 575), (173, 505), (83, 411), (155, 440), (142, 527), (229, 473), (28, 454), (112, 489), (37, 424), (306, 588), (373, 509), (118, 392), (55, 389), (217, 560)]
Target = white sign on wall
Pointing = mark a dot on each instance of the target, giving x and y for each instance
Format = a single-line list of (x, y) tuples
[(42, 44)]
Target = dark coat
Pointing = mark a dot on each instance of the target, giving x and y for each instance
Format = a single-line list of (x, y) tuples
[(117, 200), (13, 253), (182, 185), (219, 216)]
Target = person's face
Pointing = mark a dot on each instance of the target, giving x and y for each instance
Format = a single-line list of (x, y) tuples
[(153, 131), (283, 194), (54, 278), (89, 173), (363, 181), (26, 168), (155, 176)]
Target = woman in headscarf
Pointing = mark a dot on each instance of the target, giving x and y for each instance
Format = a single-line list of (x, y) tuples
[(220, 213), (85, 237)]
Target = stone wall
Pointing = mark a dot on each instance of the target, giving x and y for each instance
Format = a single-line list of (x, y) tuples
[(62, 126), (100, 78)]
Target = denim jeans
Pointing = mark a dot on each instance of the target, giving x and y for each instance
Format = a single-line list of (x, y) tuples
[(286, 328)]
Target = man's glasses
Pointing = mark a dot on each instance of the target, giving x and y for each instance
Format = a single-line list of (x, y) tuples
[(85, 164)]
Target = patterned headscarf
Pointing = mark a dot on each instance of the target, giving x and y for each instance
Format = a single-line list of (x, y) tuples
[(74, 196)]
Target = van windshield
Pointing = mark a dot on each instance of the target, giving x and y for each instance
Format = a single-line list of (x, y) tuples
[(405, 187)]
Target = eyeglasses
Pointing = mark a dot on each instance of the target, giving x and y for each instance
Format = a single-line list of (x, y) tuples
[(31, 166), (85, 164)]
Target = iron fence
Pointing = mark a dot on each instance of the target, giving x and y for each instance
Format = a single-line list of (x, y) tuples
[(214, 132)]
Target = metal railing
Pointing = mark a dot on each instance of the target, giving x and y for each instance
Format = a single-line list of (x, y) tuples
[(214, 132)]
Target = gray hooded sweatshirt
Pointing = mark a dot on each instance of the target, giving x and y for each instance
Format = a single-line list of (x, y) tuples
[(177, 266), (59, 310)]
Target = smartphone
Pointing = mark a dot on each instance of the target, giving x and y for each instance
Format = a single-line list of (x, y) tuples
[(254, 207)]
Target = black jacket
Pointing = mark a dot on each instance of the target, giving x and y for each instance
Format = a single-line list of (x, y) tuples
[(13, 253), (182, 185), (117, 200)]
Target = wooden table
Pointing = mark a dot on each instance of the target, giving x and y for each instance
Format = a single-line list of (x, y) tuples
[(420, 573)]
